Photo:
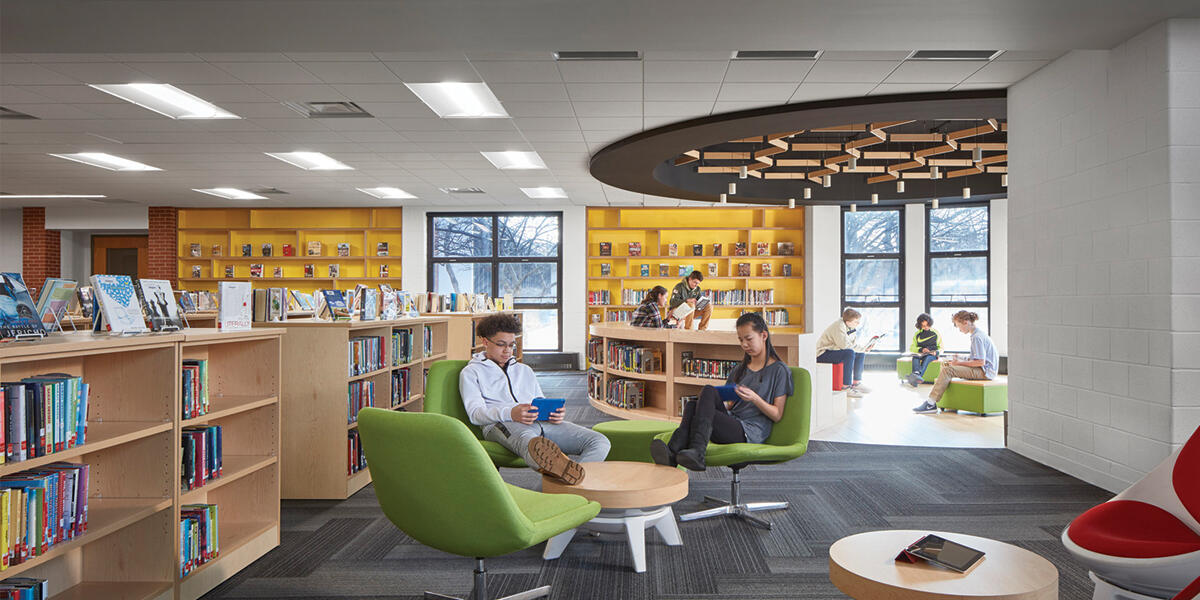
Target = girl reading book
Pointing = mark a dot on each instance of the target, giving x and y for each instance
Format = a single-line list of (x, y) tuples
[(743, 410), (926, 344), (648, 312)]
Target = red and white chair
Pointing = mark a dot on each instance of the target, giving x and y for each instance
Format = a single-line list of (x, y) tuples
[(1144, 544)]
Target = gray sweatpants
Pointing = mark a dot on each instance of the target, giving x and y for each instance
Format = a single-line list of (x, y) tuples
[(575, 440)]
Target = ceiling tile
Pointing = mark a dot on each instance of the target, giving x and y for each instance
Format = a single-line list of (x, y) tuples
[(677, 109), (373, 136), (768, 70), (332, 56), (1029, 55), (608, 109), (681, 71), (684, 55), (47, 57), (71, 93), (1006, 72), (601, 71), (740, 92), (529, 92), (14, 94), (649, 122), (302, 92), (123, 110), (431, 55), (178, 73), (351, 72), (268, 72), (258, 110), (46, 111), (934, 71), (850, 71), (219, 93), (510, 55), (220, 57), (107, 72), (430, 123), (430, 71), (625, 124), (539, 109), (546, 123), (353, 124), (808, 92), (604, 91), (155, 57), (378, 92), (393, 109), (551, 135), (681, 91), (30, 74), (725, 106), (889, 55), (518, 71), (909, 88)]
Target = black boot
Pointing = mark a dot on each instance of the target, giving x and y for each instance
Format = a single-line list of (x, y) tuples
[(701, 431), (662, 454)]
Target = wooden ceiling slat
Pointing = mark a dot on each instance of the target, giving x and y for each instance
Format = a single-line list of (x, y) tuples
[(933, 151), (797, 162), (880, 154), (784, 175), (995, 158), (999, 169), (687, 157), (726, 156), (970, 132), (964, 172), (849, 127), (949, 162), (814, 147), (758, 154), (916, 137), (882, 178), (985, 146)]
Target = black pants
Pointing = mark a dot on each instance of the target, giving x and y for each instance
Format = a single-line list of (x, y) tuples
[(708, 412)]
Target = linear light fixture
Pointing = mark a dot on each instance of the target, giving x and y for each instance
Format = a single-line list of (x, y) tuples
[(387, 193), (544, 192), (165, 99), (456, 100), (311, 161), (40, 196), (107, 161), (514, 160), (230, 193)]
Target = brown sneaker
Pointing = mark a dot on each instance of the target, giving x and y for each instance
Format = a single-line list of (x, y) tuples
[(553, 462)]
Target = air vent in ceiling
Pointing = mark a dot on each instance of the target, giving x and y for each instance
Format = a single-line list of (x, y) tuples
[(954, 54), (777, 55), (8, 113), (266, 191), (461, 190), (598, 55), (328, 110)]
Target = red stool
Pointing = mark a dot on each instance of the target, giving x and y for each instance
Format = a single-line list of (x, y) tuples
[(837, 377)]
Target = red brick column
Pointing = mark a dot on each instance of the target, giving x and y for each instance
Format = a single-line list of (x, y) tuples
[(41, 249), (164, 244)]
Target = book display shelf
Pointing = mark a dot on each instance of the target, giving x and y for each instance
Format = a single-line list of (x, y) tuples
[(658, 230), (320, 385), (663, 386), (229, 229), (462, 341), (131, 547)]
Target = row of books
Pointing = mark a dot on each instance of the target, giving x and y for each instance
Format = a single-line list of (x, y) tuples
[(777, 316), (42, 415), (740, 297), (269, 304), (401, 386), (633, 358), (620, 316), (202, 447), (764, 270), (313, 248), (706, 367), (256, 271), (195, 388), (361, 394), (40, 509), (595, 351), (355, 455), (427, 341), (738, 249), (597, 297), (198, 536), (122, 306), (365, 355), (626, 393), (595, 383), (24, 588), (711, 270), (402, 346)]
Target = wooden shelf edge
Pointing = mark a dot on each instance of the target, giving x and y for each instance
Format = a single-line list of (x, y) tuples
[(369, 375), (115, 590), (435, 357), (226, 412), (148, 430), (409, 364), (357, 481), (633, 375), (236, 535), (253, 464), (623, 413)]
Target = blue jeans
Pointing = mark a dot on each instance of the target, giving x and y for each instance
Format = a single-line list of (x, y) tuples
[(920, 363), (852, 363)]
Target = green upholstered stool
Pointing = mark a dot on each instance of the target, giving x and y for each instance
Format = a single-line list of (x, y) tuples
[(904, 367), (442, 397), (630, 439), (977, 396)]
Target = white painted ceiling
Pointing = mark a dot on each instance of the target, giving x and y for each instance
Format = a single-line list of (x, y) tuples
[(226, 53)]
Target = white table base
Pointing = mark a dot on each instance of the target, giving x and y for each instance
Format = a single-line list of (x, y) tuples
[(634, 522)]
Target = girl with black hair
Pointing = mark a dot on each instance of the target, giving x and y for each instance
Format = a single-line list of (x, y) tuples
[(647, 313), (763, 383), (926, 344)]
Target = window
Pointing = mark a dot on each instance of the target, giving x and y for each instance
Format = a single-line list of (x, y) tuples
[(503, 253), (958, 261), (873, 272)]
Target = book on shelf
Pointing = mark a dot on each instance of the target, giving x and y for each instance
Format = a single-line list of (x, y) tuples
[(83, 299), (24, 588), (50, 506), (390, 304), (381, 249), (335, 270), (645, 270), (684, 270), (672, 249), (706, 368), (605, 269), (216, 250), (765, 269), (334, 306), (605, 248), (787, 270), (357, 459), (716, 249), (199, 536), (277, 272), (343, 249), (313, 249), (56, 297), (186, 302), (197, 272), (366, 354), (195, 388), (739, 249), (158, 301), (202, 456), (267, 249), (632, 358), (288, 250), (229, 271), (635, 248), (762, 249), (712, 269), (743, 269), (785, 248), (194, 249), (42, 415), (118, 303), (256, 270), (370, 304), (208, 301), (697, 249), (360, 395), (18, 315), (383, 270), (247, 249), (402, 346), (233, 313), (277, 304), (626, 393), (401, 390), (664, 270), (309, 269)]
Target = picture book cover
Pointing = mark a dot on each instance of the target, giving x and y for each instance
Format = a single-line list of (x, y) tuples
[(743, 269), (605, 269), (229, 271), (233, 313), (343, 249), (84, 297), (370, 304), (787, 270), (672, 249), (645, 270), (335, 270), (197, 271), (765, 269), (635, 248), (664, 270), (712, 269), (195, 249), (216, 249), (267, 249), (158, 300), (717, 249), (605, 248), (54, 300), (785, 248), (17, 313), (335, 305), (762, 249), (288, 250), (684, 270), (277, 272), (314, 249), (277, 309), (187, 303), (119, 303), (739, 249), (246, 249), (391, 304), (383, 270), (697, 249), (381, 249), (309, 270), (256, 270)]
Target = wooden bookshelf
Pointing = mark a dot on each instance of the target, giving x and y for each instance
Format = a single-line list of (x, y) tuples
[(705, 226), (230, 228), (131, 549), (314, 397), (461, 339), (663, 389)]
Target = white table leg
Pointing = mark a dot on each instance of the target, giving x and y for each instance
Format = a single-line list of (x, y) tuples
[(669, 529), (556, 544), (635, 531)]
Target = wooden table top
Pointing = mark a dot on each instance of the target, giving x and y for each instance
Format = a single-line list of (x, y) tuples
[(864, 566), (622, 484)]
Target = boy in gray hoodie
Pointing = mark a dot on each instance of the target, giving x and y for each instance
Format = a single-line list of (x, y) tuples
[(497, 392)]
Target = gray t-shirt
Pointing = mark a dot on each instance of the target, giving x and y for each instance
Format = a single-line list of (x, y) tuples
[(773, 380)]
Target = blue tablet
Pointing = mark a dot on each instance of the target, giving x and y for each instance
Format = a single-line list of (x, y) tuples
[(727, 393), (545, 406)]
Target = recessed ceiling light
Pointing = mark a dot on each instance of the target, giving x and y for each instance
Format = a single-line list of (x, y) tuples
[(311, 161), (598, 55), (954, 54), (166, 99), (387, 193), (230, 193), (455, 100), (461, 190), (544, 192), (512, 159), (107, 161), (776, 55), (36, 196)]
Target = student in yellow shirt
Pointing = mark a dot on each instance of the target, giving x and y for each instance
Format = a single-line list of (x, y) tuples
[(926, 345)]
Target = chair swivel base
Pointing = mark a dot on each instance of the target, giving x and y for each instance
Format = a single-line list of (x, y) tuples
[(479, 591), (741, 511)]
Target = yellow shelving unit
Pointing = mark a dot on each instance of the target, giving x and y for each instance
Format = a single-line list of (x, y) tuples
[(230, 228)]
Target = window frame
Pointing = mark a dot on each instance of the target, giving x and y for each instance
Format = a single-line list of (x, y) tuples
[(898, 256), (930, 304), (495, 260)]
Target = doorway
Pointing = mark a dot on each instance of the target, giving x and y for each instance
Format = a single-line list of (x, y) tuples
[(121, 255)]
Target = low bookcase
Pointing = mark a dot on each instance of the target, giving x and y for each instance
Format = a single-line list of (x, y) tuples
[(462, 341)]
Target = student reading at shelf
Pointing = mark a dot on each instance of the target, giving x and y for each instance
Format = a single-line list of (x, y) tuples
[(981, 364), (647, 313), (498, 392), (926, 344), (761, 385), (839, 344), (687, 291)]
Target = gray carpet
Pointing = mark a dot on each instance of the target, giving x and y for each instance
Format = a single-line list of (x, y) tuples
[(341, 550)]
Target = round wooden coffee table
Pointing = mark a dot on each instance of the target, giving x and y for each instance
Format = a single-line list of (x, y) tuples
[(633, 497), (864, 566)]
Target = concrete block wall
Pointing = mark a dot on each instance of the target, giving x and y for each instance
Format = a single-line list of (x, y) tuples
[(1093, 269)]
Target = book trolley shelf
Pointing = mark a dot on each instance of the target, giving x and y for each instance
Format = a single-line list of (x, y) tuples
[(663, 389), (316, 379), (230, 228), (131, 549), (657, 228), (461, 339)]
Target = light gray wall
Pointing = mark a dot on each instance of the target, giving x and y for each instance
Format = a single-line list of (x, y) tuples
[(1103, 273), (822, 266), (10, 240), (76, 259)]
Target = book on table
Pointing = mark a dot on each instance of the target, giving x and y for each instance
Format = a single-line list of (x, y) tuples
[(119, 303)]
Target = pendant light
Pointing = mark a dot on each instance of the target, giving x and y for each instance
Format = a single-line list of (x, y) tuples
[(1004, 179), (900, 186), (934, 172), (826, 180), (742, 172), (724, 199), (853, 207), (853, 163), (808, 193), (791, 203), (977, 154), (874, 198), (966, 193), (934, 204), (732, 187)]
